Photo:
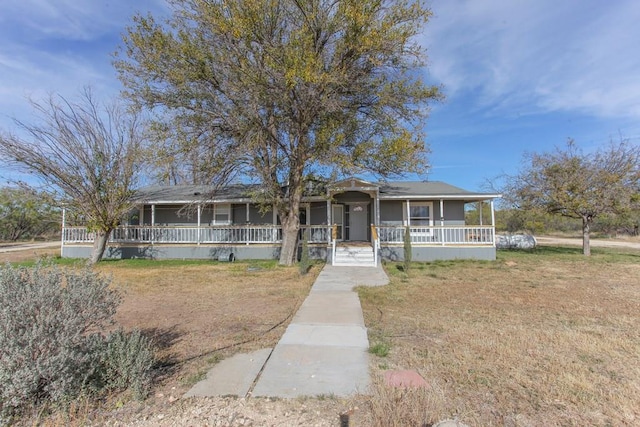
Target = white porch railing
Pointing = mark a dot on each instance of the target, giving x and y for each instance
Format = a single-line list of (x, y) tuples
[(448, 235), (246, 234), (252, 234)]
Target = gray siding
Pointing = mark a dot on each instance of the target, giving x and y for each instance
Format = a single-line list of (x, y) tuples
[(391, 212), (244, 252), (453, 212), (172, 215), (214, 253), (255, 217), (352, 196), (441, 253), (239, 214), (318, 211)]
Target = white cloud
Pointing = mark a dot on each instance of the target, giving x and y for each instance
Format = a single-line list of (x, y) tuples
[(72, 19), (58, 46), (538, 55)]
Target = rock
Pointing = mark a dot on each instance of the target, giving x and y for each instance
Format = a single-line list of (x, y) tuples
[(449, 423), (404, 379), (515, 241)]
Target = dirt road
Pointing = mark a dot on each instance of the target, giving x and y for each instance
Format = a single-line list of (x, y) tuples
[(595, 243), (14, 247)]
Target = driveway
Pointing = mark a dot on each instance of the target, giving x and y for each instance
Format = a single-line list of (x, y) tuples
[(14, 247), (595, 243)]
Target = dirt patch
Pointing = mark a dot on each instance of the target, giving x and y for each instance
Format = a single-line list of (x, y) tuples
[(28, 254)]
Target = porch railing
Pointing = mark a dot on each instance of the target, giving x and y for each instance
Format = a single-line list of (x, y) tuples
[(447, 235), (246, 234), (252, 234)]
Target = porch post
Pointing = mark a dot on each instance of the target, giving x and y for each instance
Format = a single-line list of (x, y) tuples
[(199, 217), (493, 223), (328, 219), (141, 220), (274, 221), (480, 208), (153, 222), (441, 213), (408, 213), (377, 203), (247, 214), (64, 218)]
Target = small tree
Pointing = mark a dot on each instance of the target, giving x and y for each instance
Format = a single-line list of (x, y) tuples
[(407, 249), (89, 154), (570, 183)]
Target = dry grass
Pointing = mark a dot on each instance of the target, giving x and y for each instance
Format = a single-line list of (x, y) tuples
[(28, 255), (201, 312), (548, 338)]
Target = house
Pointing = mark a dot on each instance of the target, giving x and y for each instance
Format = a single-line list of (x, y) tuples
[(347, 222)]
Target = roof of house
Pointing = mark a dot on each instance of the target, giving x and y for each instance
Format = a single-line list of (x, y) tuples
[(242, 193)]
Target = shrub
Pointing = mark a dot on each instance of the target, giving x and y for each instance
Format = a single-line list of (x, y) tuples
[(51, 349), (407, 249), (127, 361), (403, 406)]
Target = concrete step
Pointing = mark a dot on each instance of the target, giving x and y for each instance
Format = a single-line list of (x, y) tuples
[(354, 256)]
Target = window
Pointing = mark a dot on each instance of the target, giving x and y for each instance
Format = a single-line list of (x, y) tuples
[(420, 214), (221, 214)]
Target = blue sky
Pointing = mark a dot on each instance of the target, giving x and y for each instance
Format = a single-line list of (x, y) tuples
[(519, 75)]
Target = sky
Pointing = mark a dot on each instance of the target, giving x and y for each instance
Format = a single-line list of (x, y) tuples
[(518, 75)]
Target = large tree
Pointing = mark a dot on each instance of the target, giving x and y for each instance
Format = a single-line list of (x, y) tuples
[(283, 89), (579, 185), (87, 153)]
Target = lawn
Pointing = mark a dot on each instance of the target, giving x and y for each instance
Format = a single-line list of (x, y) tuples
[(199, 312), (542, 338)]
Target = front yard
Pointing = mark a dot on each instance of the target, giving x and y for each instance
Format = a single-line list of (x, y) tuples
[(543, 338)]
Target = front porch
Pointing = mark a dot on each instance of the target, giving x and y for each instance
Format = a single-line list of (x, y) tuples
[(195, 222), (251, 241)]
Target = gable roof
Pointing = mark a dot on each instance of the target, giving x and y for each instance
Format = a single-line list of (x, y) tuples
[(241, 193), (184, 194), (430, 190)]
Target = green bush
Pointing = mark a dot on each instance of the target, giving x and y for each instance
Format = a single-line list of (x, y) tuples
[(127, 361), (51, 348), (407, 250)]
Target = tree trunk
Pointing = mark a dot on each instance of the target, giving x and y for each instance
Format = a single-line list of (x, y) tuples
[(99, 245), (289, 249), (586, 228)]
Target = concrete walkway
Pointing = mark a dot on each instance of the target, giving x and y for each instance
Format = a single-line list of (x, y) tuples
[(324, 351)]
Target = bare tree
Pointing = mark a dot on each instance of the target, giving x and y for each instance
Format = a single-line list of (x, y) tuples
[(89, 153), (573, 184)]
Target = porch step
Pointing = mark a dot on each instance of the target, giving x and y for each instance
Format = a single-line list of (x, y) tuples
[(356, 256)]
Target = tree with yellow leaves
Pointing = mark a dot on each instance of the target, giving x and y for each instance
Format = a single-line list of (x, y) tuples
[(283, 89)]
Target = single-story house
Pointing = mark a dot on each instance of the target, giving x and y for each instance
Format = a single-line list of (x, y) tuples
[(347, 222)]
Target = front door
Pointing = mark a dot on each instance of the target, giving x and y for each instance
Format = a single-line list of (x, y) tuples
[(358, 218)]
